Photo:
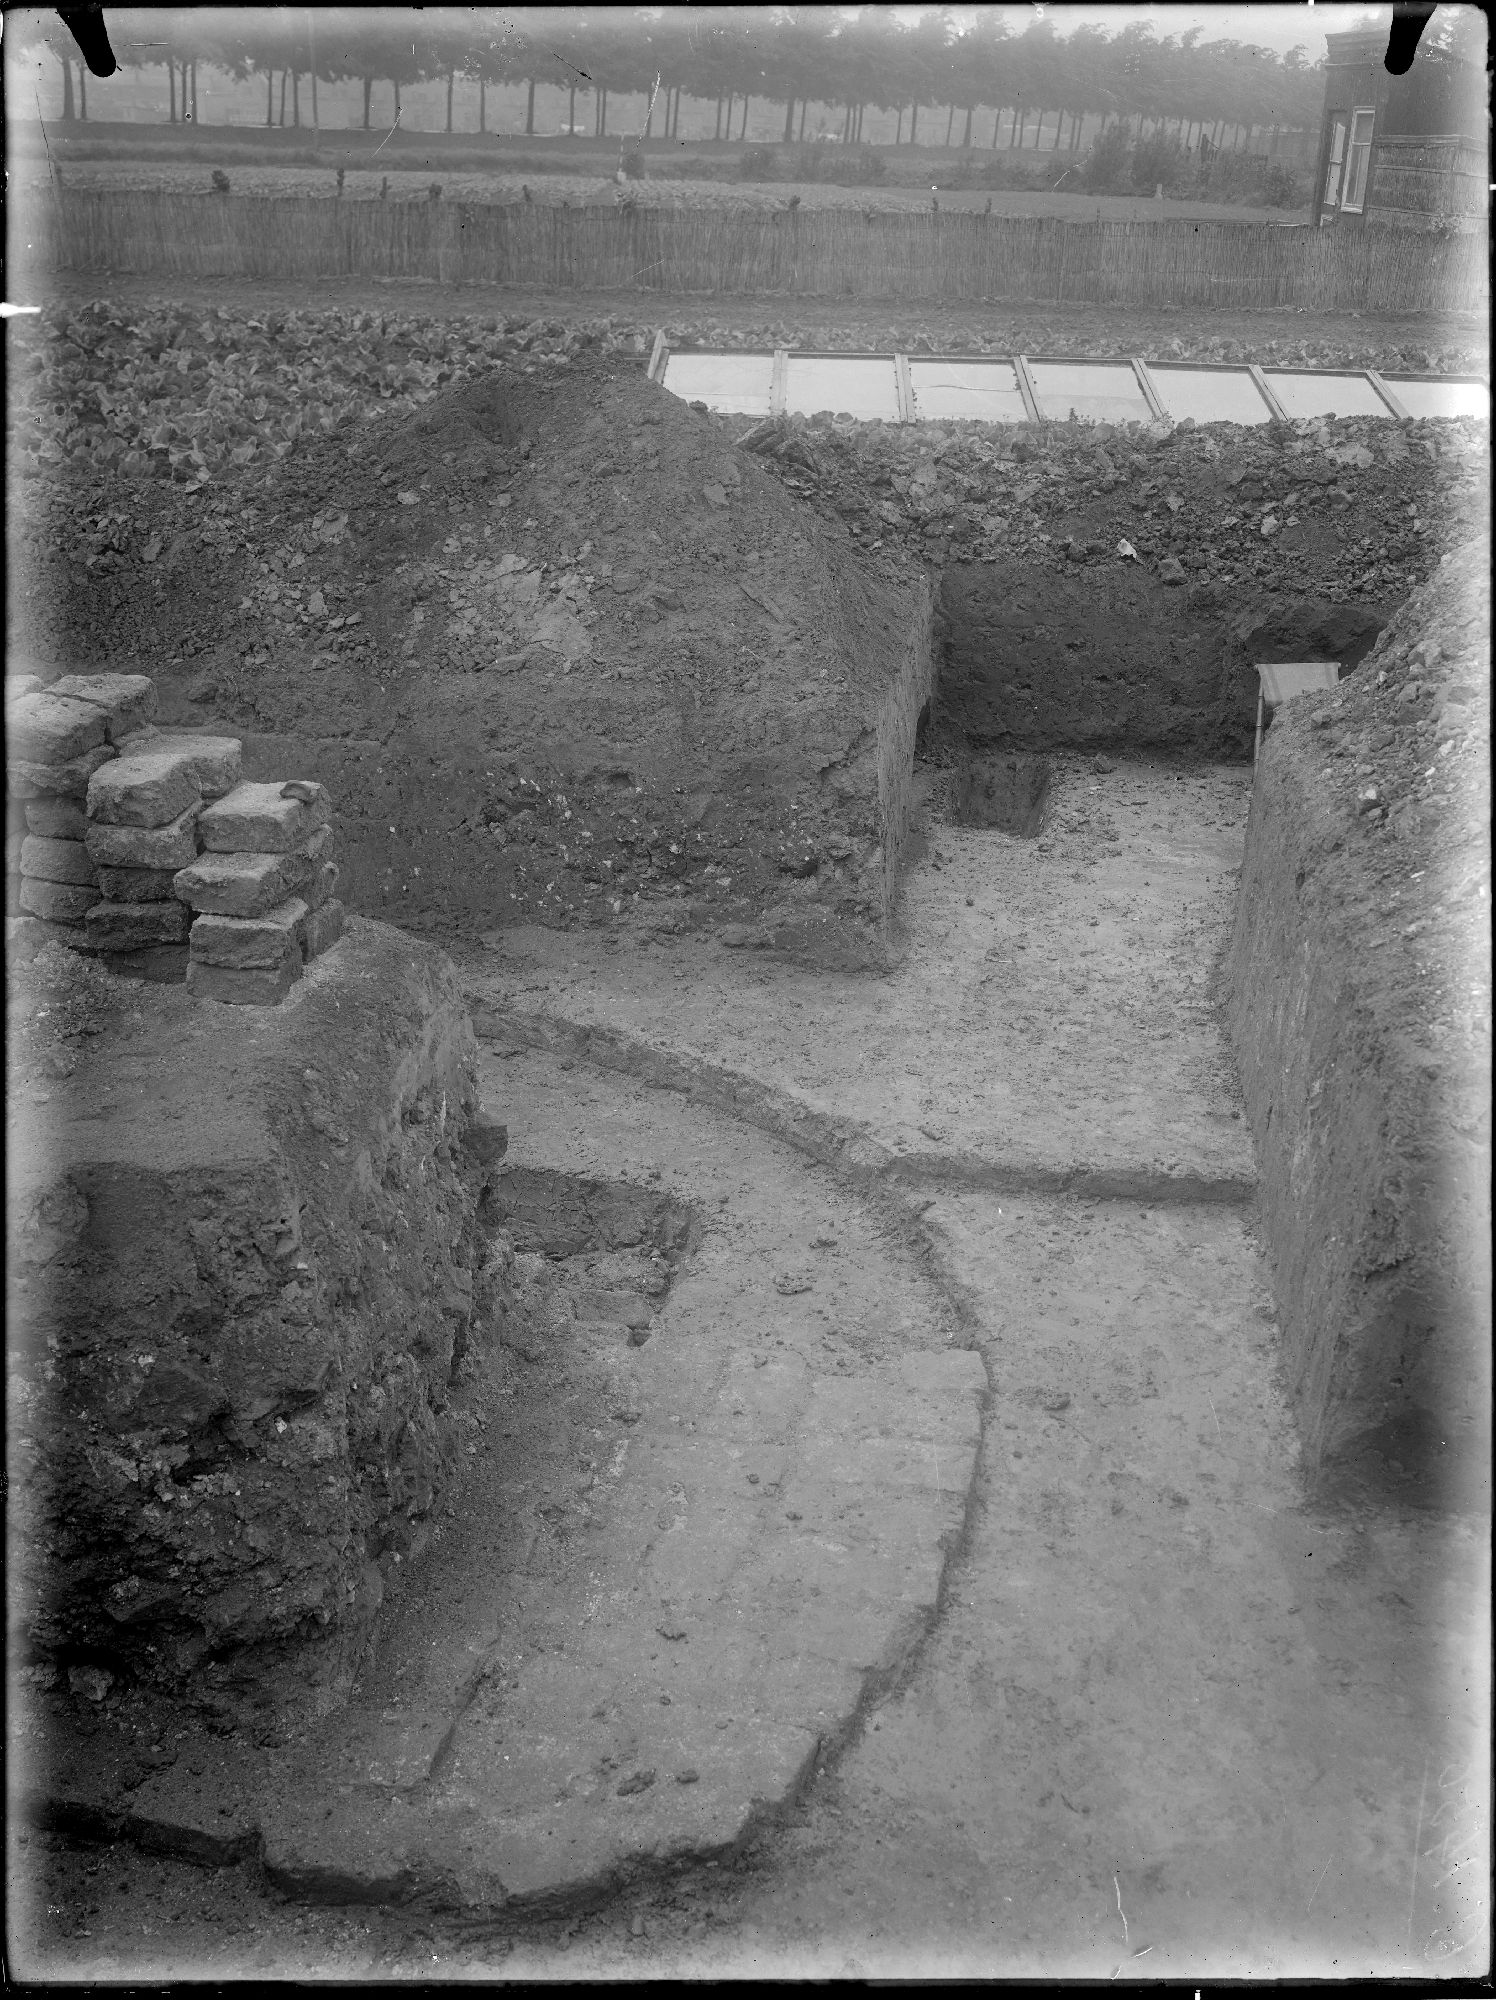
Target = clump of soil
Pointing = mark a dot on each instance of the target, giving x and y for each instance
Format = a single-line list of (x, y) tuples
[(60, 1002)]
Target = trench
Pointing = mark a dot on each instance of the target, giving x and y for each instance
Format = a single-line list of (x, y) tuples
[(1101, 1798), (1035, 661), (1124, 1702)]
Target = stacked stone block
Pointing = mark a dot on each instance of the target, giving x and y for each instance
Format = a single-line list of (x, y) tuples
[(143, 810), (147, 847), (262, 892), (57, 739)]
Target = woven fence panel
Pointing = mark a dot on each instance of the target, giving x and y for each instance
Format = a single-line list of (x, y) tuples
[(952, 256)]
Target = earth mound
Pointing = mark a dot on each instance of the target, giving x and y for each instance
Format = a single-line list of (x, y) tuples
[(565, 656)]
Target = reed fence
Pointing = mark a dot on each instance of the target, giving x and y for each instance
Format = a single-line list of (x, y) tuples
[(1418, 181), (833, 252)]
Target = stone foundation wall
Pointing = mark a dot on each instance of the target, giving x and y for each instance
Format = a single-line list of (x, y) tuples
[(242, 1257)]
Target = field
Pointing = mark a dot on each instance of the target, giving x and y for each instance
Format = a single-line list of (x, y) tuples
[(582, 190)]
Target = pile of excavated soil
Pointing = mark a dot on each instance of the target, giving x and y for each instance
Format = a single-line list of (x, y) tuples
[(562, 653), (1352, 509)]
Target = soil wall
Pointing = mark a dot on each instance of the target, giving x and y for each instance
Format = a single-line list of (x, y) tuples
[(1363, 1041), (1037, 659), (791, 843), (242, 1256)]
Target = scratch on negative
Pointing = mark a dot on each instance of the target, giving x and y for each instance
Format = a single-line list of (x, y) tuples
[(1315, 1890)]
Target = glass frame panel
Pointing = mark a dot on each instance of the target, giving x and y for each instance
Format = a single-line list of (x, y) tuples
[(734, 384), (869, 391), (1098, 391), (1333, 178), (1357, 161), (1186, 392), (967, 390), (1307, 392), (1452, 396)]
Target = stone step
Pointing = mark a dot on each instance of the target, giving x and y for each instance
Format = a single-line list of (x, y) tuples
[(250, 885), (133, 926), (137, 885), (29, 779), (56, 819), (57, 902), (245, 987), (241, 944)]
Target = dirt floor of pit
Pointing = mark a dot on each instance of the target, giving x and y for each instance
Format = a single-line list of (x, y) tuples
[(1175, 1718)]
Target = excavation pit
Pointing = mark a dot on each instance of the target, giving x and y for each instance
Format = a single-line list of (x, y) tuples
[(1110, 660), (1003, 794)]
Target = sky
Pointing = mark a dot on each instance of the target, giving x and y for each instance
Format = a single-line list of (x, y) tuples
[(1279, 28)]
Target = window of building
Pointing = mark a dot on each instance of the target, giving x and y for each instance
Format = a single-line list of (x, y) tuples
[(1337, 163), (1359, 161)]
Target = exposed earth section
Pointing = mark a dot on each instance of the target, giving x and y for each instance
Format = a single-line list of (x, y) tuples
[(496, 623), (1361, 1002)]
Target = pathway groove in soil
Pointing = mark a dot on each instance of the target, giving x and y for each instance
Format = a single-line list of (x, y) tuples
[(706, 1521)]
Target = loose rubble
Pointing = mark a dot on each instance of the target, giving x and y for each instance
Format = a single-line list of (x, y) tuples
[(1340, 507)]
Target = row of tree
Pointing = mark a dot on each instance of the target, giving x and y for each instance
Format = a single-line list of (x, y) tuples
[(789, 56)]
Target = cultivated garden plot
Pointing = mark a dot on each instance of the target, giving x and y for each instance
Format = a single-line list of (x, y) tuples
[(845, 837), (583, 190)]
